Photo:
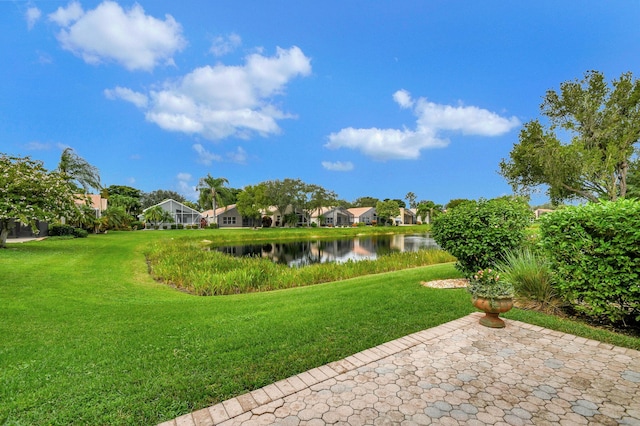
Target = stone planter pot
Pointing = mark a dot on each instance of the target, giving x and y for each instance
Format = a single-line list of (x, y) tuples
[(492, 309)]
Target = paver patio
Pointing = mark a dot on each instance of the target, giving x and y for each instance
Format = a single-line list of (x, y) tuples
[(459, 373)]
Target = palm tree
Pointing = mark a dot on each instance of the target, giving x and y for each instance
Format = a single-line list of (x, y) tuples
[(157, 215), (213, 193), (75, 168)]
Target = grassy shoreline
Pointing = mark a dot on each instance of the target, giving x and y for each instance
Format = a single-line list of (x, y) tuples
[(87, 336)]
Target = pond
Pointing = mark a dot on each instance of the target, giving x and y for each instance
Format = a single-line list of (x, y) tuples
[(302, 253)]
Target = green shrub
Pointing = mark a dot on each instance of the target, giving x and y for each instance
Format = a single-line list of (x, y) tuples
[(173, 226), (480, 233), (59, 230), (180, 226), (80, 233), (595, 251), (532, 278), (136, 224), (212, 226)]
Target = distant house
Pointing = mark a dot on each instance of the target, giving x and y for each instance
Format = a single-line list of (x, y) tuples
[(406, 217), (95, 201), (365, 215), (332, 216), (181, 214), (20, 230), (425, 219), (230, 217), (540, 212)]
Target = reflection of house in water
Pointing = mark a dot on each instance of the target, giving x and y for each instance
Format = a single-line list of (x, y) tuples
[(304, 253), (412, 243)]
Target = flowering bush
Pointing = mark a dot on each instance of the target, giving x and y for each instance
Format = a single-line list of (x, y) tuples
[(487, 284)]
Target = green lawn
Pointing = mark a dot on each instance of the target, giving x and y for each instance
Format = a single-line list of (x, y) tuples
[(86, 336)]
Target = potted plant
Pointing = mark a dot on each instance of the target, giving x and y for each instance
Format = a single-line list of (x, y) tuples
[(491, 294)]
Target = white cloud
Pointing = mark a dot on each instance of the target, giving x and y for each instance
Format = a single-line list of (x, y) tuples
[(205, 157), (37, 146), (110, 33), (44, 58), (185, 188), (33, 15), (238, 156), (222, 101), (223, 45), (338, 166), (403, 98), (138, 99), (63, 16), (432, 120)]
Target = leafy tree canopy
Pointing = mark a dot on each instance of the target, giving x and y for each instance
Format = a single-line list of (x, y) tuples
[(633, 178), (411, 198), (603, 123), (365, 202), (123, 190), (252, 201), (28, 192), (213, 192), (387, 210), (76, 169), (455, 203), (401, 204)]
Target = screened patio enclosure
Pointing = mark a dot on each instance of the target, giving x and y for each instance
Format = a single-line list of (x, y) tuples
[(181, 214)]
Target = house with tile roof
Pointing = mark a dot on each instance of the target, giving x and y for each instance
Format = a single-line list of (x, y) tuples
[(366, 215)]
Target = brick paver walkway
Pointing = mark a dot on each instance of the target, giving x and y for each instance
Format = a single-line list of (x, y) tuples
[(459, 373)]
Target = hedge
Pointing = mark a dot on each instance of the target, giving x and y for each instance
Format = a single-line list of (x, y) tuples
[(595, 251)]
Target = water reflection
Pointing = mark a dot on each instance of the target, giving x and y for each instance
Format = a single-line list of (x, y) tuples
[(301, 253)]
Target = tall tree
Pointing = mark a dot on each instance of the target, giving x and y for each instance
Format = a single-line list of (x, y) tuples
[(314, 197), (28, 192), (411, 198), (282, 194), (365, 202), (76, 169), (603, 122), (633, 178), (213, 193), (251, 202), (387, 210), (401, 204)]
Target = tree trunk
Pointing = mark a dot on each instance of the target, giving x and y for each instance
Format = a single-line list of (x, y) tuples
[(213, 204), (4, 233)]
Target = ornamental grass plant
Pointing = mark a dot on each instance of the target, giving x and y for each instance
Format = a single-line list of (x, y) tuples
[(532, 279)]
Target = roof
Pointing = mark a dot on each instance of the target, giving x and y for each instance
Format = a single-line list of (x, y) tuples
[(210, 213), (359, 211), (172, 201)]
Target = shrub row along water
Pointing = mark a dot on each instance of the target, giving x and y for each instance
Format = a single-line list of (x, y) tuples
[(191, 265)]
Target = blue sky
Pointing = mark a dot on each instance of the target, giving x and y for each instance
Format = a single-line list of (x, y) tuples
[(366, 98)]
